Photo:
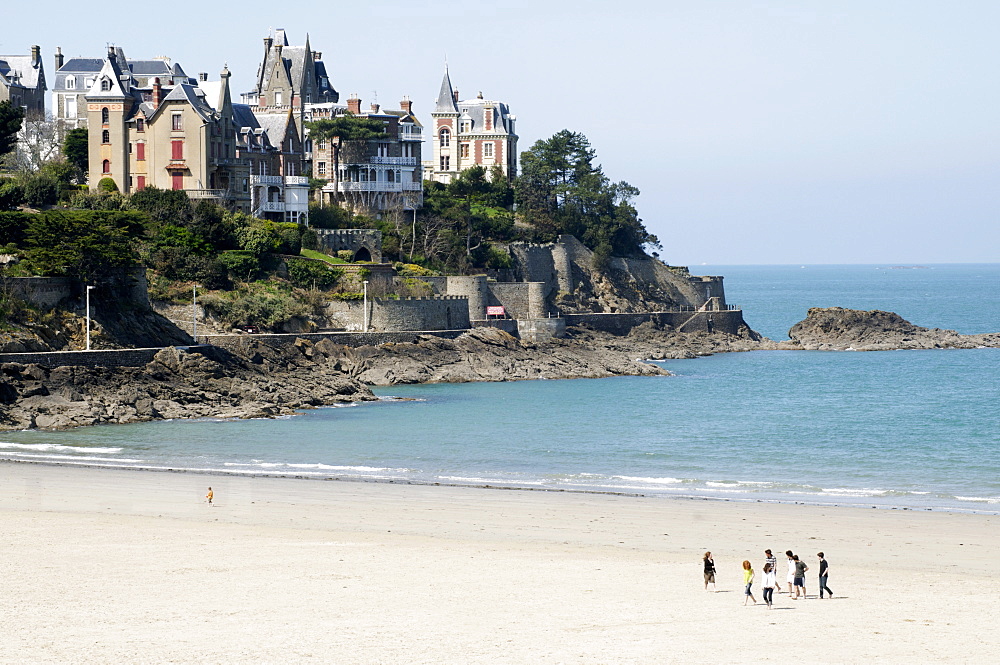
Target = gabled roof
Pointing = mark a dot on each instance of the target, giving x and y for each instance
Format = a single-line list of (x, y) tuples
[(193, 96), (82, 65), (111, 71), (475, 110), (21, 65), (446, 97)]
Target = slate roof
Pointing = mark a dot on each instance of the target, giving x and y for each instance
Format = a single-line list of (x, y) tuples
[(446, 97), (275, 126), (475, 109), (21, 65), (194, 96)]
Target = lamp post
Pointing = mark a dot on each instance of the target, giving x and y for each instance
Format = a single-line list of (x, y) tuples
[(365, 329), (194, 313), (89, 288)]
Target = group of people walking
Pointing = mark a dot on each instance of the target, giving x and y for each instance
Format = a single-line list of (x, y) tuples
[(796, 578)]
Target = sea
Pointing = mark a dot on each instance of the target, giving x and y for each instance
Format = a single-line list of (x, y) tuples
[(911, 430)]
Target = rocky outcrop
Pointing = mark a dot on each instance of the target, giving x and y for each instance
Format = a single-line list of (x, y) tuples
[(488, 354), (175, 384), (839, 329)]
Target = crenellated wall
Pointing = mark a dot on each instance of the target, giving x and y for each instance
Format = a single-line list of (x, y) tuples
[(364, 244), (521, 300), (434, 313)]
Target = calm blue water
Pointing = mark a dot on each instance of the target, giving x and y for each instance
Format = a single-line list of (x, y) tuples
[(912, 429)]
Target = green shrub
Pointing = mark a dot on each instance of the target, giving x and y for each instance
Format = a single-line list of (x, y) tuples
[(413, 270), (11, 195), (345, 255), (241, 264), (309, 239), (107, 185), (85, 200), (312, 274), (257, 305), (39, 190), (497, 258)]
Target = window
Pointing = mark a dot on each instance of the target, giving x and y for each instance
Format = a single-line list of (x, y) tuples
[(177, 179), (465, 126), (463, 150), (321, 145), (71, 106), (140, 125), (89, 83), (177, 150), (277, 98), (105, 136), (487, 150), (140, 182), (106, 166), (105, 115), (140, 152), (71, 82), (321, 168), (105, 85), (177, 122), (390, 176), (445, 137), (445, 163)]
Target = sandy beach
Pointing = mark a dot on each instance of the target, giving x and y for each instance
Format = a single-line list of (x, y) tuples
[(105, 566)]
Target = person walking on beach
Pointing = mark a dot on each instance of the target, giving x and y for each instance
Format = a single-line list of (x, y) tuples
[(210, 496), (748, 575), (800, 577), (709, 571), (769, 559), (824, 575), (770, 581), (791, 570)]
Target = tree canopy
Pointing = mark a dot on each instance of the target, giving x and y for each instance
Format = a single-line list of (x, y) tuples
[(561, 190), (75, 149), (10, 124)]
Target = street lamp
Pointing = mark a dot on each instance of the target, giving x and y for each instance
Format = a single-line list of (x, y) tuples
[(366, 306), (89, 288), (194, 314)]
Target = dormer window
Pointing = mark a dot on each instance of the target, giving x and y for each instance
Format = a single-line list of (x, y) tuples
[(465, 126), (71, 82), (105, 85), (277, 98)]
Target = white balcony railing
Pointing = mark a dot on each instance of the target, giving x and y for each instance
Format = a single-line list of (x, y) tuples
[(206, 193), (394, 161), (410, 135), (265, 180), (272, 206), (296, 180)]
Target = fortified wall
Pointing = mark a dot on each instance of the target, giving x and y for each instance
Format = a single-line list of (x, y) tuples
[(401, 314)]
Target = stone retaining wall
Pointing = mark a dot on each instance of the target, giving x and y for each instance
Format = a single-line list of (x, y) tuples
[(241, 343), (101, 358), (727, 321)]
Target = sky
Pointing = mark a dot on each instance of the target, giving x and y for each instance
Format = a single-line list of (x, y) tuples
[(780, 132)]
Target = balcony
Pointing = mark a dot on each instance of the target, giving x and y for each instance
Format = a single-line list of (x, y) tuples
[(415, 134), (266, 180), (297, 180), (377, 186), (206, 193), (394, 161), (272, 206)]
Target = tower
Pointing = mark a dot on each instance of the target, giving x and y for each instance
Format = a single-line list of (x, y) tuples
[(109, 104), (445, 124)]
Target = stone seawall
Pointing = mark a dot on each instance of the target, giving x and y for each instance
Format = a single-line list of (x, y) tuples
[(101, 358), (725, 321), (241, 343)]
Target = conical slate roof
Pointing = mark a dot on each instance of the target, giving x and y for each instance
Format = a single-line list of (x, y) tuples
[(446, 98)]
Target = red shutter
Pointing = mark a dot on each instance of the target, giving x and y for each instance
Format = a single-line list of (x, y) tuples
[(177, 180), (140, 151), (177, 148), (140, 182)]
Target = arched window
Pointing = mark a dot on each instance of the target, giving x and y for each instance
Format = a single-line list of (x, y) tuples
[(105, 85), (140, 125), (105, 115), (105, 136), (445, 137), (390, 176), (71, 82), (106, 166)]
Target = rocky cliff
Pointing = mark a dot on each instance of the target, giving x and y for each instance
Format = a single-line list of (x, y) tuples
[(839, 329)]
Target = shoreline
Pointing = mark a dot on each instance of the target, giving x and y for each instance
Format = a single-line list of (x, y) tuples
[(379, 572), (216, 473)]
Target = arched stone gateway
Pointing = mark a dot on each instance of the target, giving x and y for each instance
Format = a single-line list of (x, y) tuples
[(364, 244)]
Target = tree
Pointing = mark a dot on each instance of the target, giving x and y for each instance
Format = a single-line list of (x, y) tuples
[(38, 144), (87, 245), (560, 190), (10, 124), (344, 128), (76, 151)]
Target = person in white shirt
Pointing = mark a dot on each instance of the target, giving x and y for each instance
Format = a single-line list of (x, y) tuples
[(791, 570), (770, 580)]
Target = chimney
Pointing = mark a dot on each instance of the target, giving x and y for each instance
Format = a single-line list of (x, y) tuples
[(59, 58), (317, 56), (202, 76), (455, 95), (36, 55), (354, 105), (267, 45), (157, 93), (406, 105), (374, 108)]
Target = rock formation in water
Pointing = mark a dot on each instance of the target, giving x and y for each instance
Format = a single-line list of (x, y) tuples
[(839, 329)]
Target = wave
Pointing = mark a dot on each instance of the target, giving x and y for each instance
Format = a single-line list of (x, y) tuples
[(75, 458), (57, 447), (315, 466)]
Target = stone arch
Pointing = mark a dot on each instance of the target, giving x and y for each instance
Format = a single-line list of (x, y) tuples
[(362, 255)]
